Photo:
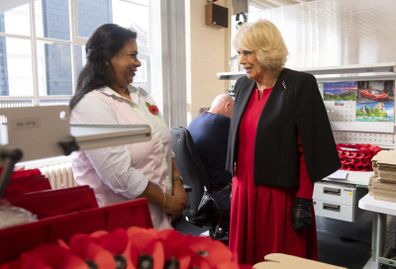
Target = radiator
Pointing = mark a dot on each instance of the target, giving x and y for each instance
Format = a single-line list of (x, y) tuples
[(58, 170), (59, 175)]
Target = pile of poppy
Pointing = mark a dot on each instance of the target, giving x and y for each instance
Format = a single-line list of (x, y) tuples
[(357, 157), (130, 248)]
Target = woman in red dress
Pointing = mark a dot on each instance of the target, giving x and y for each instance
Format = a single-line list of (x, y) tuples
[(280, 144)]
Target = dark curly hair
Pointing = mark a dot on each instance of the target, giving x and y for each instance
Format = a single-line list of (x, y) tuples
[(104, 43)]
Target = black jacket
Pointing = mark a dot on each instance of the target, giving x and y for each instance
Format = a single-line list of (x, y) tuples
[(294, 108)]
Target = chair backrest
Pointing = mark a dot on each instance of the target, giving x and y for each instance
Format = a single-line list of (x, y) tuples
[(191, 167)]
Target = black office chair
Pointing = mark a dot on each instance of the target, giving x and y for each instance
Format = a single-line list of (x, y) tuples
[(195, 175)]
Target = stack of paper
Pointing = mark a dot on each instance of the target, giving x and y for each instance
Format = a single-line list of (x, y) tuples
[(382, 185)]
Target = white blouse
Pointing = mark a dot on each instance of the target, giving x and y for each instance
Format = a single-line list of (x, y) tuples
[(121, 173)]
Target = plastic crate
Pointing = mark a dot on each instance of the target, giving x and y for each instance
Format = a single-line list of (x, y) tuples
[(17, 239), (26, 181), (50, 203)]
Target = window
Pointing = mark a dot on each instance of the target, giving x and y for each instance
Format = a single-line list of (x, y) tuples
[(39, 65)]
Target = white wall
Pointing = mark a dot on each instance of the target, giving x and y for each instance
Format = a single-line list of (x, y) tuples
[(208, 50), (336, 32)]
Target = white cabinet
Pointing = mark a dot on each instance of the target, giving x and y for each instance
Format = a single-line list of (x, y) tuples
[(336, 201), (338, 198)]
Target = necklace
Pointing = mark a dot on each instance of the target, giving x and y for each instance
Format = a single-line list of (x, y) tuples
[(264, 86)]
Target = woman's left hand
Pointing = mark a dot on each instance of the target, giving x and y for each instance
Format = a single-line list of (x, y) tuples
[(302, 213), (177, 184), (178, 191)]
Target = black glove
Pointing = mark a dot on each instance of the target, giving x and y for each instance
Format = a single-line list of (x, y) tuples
[(301, 213)]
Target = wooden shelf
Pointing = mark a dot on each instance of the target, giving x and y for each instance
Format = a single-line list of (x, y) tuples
[(382, 71)]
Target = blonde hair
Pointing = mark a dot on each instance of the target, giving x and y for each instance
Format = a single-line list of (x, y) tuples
[(264, 38)]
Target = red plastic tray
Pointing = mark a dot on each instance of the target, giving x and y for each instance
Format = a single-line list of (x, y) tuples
[(17, 239), (20, 185), (55, 202)]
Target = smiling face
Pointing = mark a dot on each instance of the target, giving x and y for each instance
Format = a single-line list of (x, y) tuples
[(125, 64), (261, 48), (248, 59)]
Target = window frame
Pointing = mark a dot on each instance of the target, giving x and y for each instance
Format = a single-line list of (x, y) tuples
[(75, 43)]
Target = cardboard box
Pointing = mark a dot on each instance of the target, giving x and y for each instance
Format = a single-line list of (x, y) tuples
[(284, 261)]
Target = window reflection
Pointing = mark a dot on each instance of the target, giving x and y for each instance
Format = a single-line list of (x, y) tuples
[(16, 67), (18, 14), (54, 69), (91, 14), (43, 65), (52, 19)]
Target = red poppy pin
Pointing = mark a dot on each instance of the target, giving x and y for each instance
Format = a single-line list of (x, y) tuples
[(152, 108), (284, 85)]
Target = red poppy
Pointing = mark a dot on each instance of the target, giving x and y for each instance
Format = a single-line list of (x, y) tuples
[(115, 242), (144, 243), (176, 248), (85, 247), (152, 108), (209, 253), (131, 248), (50, 256)]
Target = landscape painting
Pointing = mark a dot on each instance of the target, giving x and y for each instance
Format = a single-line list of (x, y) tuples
[(340, 91), (375, 101)]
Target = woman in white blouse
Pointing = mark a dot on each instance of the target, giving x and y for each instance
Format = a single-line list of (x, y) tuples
[(104, 96)]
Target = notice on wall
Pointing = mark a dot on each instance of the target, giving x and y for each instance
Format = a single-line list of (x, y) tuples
[(373, 101), (340, 91)]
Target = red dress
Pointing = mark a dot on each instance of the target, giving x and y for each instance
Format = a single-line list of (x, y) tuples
[(261, 215)]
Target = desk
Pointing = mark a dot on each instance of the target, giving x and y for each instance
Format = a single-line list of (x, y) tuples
[(382, 209)]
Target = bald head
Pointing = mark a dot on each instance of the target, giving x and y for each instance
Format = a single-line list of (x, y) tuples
[(222, 104)]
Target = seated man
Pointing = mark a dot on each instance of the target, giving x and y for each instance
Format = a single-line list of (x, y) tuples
[(209, 132)]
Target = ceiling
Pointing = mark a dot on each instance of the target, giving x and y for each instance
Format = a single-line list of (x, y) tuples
[(267, 4)]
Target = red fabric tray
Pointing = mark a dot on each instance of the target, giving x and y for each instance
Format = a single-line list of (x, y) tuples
[(17, 239), (55, 202), (31, 183), (24, 173)]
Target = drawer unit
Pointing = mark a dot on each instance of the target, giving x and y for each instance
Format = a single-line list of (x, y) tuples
[(337, 201), (337, 193), (334, 210)]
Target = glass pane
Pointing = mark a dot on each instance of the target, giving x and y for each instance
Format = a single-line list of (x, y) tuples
[(80, 59), (143, 75), (15, 67), (15, 20), (52, 19), (134, 16), (91, 14), (54, 69)]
